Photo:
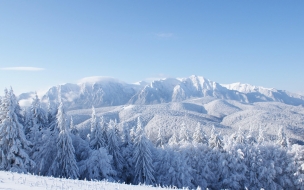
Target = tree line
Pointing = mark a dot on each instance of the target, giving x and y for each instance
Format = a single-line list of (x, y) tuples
[(46, 142)]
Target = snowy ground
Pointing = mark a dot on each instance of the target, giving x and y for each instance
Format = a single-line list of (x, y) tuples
[(15, 181)]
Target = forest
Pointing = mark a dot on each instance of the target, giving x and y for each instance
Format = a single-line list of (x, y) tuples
[(46, 142)]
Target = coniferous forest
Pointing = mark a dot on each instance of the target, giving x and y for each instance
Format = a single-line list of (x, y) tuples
[(46, 142)]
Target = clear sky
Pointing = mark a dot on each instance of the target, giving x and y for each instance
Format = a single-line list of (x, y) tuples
[(254, 41)]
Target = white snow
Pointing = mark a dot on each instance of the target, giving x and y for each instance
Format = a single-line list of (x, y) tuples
[(17, 181), (246, 88)]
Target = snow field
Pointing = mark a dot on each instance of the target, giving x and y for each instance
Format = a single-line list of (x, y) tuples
[(17, 181)]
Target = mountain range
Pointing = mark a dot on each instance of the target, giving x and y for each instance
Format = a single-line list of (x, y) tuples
[(105, 91), (170, 102)]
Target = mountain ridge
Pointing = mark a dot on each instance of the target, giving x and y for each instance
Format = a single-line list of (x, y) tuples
[(107, 91)]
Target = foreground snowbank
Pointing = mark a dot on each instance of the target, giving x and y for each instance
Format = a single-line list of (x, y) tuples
[(16, 181)]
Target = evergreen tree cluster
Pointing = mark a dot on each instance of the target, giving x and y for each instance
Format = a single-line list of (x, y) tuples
[(47, 143)]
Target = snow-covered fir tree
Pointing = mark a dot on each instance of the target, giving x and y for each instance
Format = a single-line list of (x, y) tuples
[(173, 141), (162, 165), (199, 136), (126, 137), (250, 138), (73, 128), (160, 137), (232, 174), (240, 137), (97, 139), (127, 150), (172, 168), (38, 124), (27, 121), (184, 135), (51, 114), (142, 157), (97, 165), (132, 133), (297, 151), (215, 140), (64, 164), (47, 151), (261, 135), (113, 147), (282, 139), (14, 146)]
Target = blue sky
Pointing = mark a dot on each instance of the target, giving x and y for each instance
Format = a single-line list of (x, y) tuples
[(256, 42)]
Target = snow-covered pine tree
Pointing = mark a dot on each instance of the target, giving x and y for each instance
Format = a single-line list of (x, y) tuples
[(160, 137), (13, 144), (142, 157), (172, 168), (173, 141), (127, 149), (64, 164), (132, 133), (97, 165), (250, 138), (126, 137), (196, 155), (297, 151), (38, 123), (48, 150), (39, 115), (282, 139), (162, 166), (27, 121), (240, 137), (115, 124), (96, 136), (215, 140), (104, 130), (183, 170), (184, 134), (261, 136), (51, 115), (114, 148), (199, 136), (73, 128), (232, 175)]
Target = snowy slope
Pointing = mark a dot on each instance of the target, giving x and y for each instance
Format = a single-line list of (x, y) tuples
[(220, 108), (226, 116), (15, 181)]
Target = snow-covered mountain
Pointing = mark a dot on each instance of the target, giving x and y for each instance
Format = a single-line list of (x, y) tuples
[(175, 90), (93, 91), (168, 102), (106, 91), (257, 94)]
